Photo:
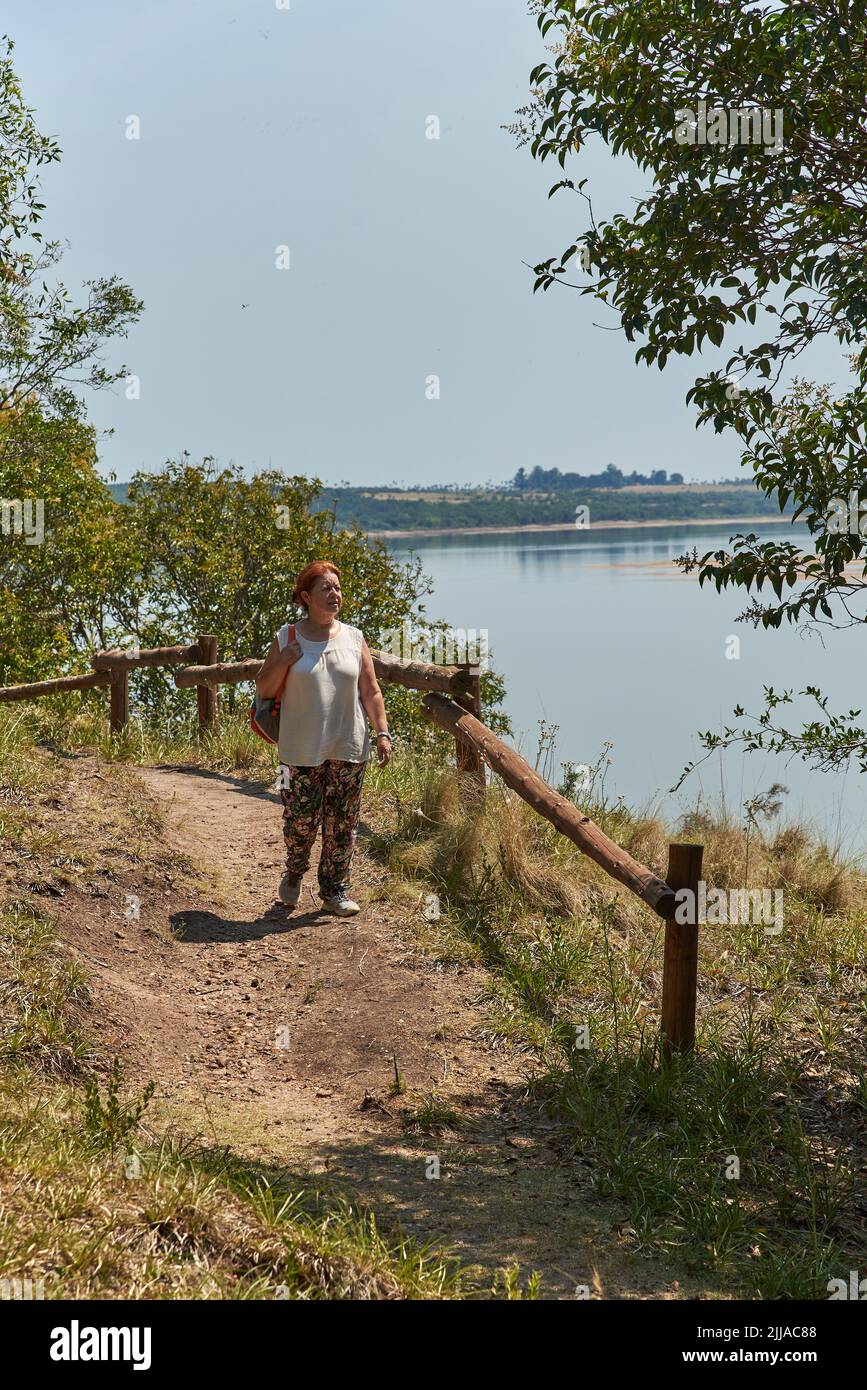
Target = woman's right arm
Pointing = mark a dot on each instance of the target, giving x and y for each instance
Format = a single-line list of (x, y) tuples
[(275, 667)]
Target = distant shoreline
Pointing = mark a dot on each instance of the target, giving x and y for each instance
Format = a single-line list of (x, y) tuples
[(562, 526)]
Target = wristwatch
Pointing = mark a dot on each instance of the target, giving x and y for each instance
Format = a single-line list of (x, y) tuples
[(384, 734)]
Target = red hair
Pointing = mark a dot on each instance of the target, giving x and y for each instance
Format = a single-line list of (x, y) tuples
[(307, 576)]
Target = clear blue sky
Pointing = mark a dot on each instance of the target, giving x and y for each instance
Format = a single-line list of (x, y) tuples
[(305, 127)]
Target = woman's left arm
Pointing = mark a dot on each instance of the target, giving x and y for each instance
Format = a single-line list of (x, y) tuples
[(373, 704)]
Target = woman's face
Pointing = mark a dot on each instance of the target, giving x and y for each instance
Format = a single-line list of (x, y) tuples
[(324, 598)]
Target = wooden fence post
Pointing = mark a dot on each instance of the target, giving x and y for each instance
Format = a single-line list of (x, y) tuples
[(468, 760), (118, 716), (206, 698), (680, 962)]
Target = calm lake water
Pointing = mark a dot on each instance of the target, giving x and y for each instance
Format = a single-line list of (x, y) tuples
[(601, 634)]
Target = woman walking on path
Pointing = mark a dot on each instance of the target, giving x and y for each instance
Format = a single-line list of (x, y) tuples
[(328, 690)]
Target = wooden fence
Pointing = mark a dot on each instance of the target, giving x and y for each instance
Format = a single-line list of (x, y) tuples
[(452, 701)]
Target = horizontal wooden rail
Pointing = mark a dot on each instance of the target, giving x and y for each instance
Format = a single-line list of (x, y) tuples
[(420, 675), (416, 675), (220, 673), (32, 692), (119, 660), (563, 814)]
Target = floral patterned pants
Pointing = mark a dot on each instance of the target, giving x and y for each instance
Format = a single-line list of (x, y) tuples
[(329, 794)]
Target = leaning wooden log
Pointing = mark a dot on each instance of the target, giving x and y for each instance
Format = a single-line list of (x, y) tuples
[(518, 775), (33, 692), (119, 660)]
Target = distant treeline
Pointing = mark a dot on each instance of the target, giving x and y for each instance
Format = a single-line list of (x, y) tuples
[(417, 509), (461, 510), (552, 480)]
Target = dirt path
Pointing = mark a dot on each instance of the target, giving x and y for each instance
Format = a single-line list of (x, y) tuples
[(277, 1034)]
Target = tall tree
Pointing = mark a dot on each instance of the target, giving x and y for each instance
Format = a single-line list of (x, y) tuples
[(48, 346), (748, 121), (65, 579)]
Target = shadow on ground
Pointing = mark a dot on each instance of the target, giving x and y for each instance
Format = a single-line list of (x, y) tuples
[(196, 927), (244, 786)]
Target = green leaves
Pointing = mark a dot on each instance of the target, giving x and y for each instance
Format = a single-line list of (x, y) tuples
[(218, 552), (741, 227), (48, 346), (21, 148), (57, 597)]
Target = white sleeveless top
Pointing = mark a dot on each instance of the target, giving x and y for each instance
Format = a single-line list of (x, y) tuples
[(321, 716)]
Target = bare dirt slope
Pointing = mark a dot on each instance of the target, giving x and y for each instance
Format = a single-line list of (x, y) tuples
[(277, 1033)]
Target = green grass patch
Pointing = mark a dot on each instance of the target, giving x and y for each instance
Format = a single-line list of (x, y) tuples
[(742, 1164)]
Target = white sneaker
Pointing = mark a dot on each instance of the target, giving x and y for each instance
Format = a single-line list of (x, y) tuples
[(340, 905), (290, 889)]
